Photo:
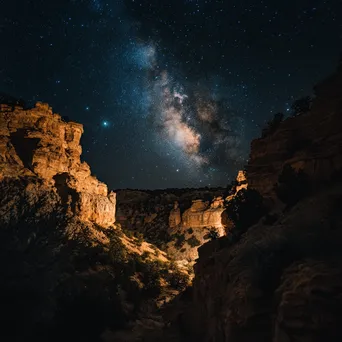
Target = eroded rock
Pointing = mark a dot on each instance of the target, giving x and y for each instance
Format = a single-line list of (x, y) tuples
[(203, 214), (311, 142), (175, 216), (37, 142)]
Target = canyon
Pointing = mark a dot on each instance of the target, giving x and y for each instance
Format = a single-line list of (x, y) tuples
[(81, 262), (281, 279)]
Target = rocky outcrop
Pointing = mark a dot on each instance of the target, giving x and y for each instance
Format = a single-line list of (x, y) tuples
[(240, 183), (278, 283), (176, 220), (280, 280), (38, 143), (310, 141), (67, 271), (63, 278), (203, 214), (157, 211), (175, 216), (201, 222)]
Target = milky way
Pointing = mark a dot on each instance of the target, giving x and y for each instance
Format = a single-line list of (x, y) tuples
[(195, 124), (170, 93)]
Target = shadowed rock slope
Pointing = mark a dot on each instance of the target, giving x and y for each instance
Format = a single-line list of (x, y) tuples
[(281, 280), (311, 141)]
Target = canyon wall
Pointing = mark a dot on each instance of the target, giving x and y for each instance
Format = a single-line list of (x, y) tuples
[(311, 141), (175, 220), (281, 279), (68, 272), (178, 220), (38, 143), (278, 283)]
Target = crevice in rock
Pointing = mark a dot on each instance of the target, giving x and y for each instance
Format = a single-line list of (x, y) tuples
[(69, 196), (24, 146)]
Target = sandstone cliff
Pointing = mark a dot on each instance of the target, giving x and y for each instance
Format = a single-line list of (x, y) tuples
[(203, 214), (38, 143), (177, 220), (311, 141), (278, 283), (196, 226), (67, 271), (281, 279), (156, 213)]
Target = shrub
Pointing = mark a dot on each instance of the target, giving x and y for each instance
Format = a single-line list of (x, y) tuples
[(180, 239), (245, 209), (140, 238), (117, 251), (292, 185), (212, 234), (193, 242), (177, 280), (145, 255), (129, 233)]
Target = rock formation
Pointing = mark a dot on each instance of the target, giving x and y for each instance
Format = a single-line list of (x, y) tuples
[(311, 141), (175, 216), (241, 183), (38, 143), (278, 283), (201, 214), (67, 271), (198, 223), (281, 279)]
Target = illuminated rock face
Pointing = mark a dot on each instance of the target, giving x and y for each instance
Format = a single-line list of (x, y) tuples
[(203, 214), (241, 183), (38, 143)]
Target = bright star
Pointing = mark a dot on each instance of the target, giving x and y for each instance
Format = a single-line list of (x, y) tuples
[(105, 123)]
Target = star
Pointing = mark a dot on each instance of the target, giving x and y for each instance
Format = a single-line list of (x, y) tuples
[(181, 98)]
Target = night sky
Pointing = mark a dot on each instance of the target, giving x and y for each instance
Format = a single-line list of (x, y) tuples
[(170, 92)]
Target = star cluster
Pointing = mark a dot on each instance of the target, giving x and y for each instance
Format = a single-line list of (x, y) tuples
[(170, 93)]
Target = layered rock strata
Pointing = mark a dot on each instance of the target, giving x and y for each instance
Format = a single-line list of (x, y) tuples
[(38, 143), (311, 141), (203, 214)]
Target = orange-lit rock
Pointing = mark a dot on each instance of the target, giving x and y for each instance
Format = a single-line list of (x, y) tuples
[(37, 142), (241, 183), (203, 214)]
